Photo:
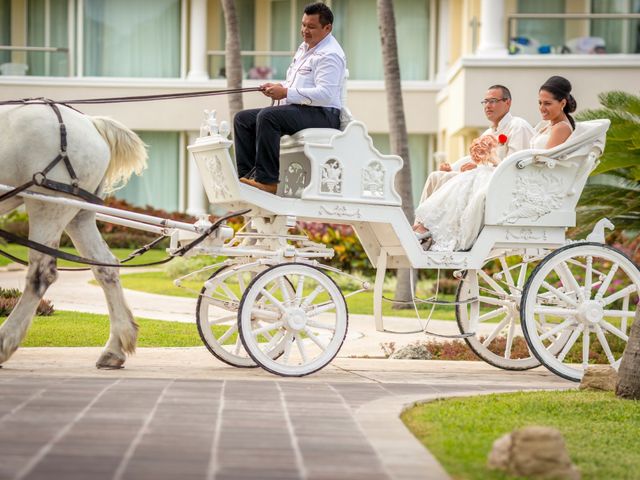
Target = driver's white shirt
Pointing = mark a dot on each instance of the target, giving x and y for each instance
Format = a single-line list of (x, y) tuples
[(316, 74)]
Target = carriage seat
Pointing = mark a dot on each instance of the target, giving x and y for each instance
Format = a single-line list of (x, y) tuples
[(308, 135), (541, 188)]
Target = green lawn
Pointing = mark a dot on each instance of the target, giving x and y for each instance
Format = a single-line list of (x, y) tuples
[(362, 303), (22, 252), (601, 431), (75, 329)]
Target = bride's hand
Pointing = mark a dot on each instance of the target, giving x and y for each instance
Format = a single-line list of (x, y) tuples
[(468, 166), (445, 167)]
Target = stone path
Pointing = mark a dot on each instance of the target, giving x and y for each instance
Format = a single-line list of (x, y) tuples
[(178, 413)]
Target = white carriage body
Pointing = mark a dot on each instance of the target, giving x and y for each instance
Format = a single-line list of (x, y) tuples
[(334, 176)]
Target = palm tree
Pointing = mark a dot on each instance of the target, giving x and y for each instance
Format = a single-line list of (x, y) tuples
[(629, 372), (614, 192), (397, 126), (233, 60)]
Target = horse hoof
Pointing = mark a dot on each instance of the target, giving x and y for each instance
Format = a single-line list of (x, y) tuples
[(110, 361)]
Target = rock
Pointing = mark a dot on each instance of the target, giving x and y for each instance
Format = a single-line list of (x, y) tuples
[(533, 452), (499, 454), (413, 351), (599, 377)]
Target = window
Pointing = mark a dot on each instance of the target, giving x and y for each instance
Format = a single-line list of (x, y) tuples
[(547, 32), (48, 26), (245, 12), (124, 38), (581, 34), (356, 28), (620, 36), (159, 185), (5, 29)]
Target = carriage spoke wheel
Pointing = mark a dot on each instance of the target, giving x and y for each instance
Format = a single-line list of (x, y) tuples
[(302, 317), (495, 317), (217, 313), (577, 308)]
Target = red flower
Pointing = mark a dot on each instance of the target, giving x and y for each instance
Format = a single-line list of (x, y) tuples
[(502, 139)]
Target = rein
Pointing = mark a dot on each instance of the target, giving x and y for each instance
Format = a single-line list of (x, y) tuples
[(134, 98)]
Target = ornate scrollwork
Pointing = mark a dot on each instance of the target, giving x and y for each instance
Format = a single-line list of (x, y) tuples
[(294, 181), (340, 211), (536, 194), (373, 179), (331, 177), (448, 258), (219, 186), (526, 234)]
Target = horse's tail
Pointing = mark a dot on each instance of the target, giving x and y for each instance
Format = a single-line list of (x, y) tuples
[(128, 152)]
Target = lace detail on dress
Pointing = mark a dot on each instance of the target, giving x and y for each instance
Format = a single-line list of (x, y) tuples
[(454, 213)]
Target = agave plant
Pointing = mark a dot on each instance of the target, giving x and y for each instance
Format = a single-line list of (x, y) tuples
[(613, 191)]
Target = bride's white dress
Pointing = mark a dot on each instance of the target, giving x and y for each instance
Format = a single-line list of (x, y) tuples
[(454, 214)]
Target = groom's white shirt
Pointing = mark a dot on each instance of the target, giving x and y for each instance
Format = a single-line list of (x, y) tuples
[(518, 133)]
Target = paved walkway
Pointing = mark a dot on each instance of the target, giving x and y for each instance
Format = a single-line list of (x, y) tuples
[(179, 413)]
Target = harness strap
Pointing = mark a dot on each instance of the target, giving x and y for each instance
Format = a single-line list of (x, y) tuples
[(56, 253), (72, 189)]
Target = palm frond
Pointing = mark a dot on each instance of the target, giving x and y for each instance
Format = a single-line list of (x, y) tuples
[(622, 101)]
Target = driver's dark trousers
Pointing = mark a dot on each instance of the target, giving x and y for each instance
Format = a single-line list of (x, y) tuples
[(257, 135)]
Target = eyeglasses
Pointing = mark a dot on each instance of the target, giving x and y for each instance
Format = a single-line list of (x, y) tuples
[(492, 101)]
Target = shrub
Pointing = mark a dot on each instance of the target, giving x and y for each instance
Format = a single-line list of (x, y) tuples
[(179, 267), (9, 298), (349, 254)]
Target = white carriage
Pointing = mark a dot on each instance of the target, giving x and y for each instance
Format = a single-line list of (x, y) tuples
[(288, 316)]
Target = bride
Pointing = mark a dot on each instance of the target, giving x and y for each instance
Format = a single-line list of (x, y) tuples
[(452, 217)]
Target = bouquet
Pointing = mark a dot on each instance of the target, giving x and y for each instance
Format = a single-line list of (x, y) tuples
[(483, 150)]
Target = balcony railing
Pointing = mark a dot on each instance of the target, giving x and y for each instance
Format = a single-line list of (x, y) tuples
[(13, 68), (262, 70), (587, 37)]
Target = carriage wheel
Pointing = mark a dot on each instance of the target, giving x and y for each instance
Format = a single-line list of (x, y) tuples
[(224, 289), (306, 323), (495, 317), (587, 293)]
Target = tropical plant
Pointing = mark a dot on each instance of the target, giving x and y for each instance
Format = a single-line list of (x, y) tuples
[(398, 137), (613, 191)]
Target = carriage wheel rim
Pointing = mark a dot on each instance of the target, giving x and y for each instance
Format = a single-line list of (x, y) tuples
[(291, 338), (240, 359), (511, 319), (572, 371)]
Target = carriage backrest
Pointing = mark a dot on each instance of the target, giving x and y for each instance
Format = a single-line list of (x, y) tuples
[(542, 187)]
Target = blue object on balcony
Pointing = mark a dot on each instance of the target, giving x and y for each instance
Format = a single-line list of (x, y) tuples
[(544, 49)]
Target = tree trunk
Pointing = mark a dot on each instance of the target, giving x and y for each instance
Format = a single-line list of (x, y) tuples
[(397, 127), (629, 372), (233, 60)]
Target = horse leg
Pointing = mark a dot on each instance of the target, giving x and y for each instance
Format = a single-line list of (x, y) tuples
[(46, 223), (124, 330)]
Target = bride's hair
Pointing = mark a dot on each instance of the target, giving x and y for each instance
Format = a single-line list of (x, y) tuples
[(560, 88), (483, 150)]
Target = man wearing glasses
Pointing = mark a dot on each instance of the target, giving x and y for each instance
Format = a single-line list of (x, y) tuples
[(513, 133)]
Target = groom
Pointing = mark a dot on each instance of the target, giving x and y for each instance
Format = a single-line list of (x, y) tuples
[(513, 133)]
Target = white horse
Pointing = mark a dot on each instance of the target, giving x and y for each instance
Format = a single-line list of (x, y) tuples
[(103, 153)]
